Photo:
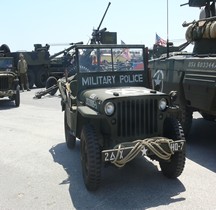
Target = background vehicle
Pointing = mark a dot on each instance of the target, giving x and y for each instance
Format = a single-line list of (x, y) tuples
[(41, 64), (108, 106), (9, 82), (192, 75)]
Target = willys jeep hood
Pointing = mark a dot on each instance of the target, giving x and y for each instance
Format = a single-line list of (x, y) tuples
[(103, 94)]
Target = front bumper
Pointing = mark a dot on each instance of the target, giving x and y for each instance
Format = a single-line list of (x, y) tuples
[(162, 147), (6, 93)]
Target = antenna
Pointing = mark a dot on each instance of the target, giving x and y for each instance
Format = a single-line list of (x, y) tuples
[(167, 28)]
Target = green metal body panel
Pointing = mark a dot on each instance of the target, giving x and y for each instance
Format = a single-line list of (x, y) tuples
[(193, 78)]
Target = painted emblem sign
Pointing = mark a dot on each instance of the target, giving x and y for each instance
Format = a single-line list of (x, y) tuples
[(157, 80)]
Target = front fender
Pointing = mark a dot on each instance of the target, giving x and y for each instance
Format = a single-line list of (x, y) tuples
[(87, 112)]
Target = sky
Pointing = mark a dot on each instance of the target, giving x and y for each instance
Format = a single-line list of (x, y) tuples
[(28, 22)]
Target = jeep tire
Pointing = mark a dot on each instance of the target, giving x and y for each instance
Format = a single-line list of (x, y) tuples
[(69, 137), (173, 167), (186, 119), (90, 157)]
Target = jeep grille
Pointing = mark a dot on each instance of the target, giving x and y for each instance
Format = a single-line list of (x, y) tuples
[(4, 83), (137, 117)]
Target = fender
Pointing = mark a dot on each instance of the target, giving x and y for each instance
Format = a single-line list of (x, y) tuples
[(87, 112)]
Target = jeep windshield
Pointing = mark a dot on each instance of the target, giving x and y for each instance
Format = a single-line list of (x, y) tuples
[(109, 58), (6, 64), (100, 66)]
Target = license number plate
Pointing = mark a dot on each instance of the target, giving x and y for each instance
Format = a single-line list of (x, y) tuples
[(177, 145), (110, 155)]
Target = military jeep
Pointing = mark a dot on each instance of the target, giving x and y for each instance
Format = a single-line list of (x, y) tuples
[(109, 108), (9, 82)]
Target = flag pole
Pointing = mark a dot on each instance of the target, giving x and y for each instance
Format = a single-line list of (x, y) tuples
[(167, 28)]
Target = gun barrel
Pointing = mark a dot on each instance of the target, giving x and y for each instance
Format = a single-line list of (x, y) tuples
[(103, 16), (46, 91), (185, 24)]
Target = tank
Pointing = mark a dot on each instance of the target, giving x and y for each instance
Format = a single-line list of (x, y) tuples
[(191, 75)]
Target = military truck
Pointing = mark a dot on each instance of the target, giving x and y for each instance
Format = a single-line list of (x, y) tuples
[(192, 75), (9, 82), (42, 65), (109, 107)]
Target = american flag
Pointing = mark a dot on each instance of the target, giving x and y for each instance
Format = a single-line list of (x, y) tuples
[(122, 42), (125, 52), (160, 41)]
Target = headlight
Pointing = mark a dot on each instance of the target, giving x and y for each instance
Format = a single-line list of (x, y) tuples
[(162, 104), (109, 108)]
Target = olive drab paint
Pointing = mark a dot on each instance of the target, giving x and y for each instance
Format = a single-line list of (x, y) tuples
[(192, 75)]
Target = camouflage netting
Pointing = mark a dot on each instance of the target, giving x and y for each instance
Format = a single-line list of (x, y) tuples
[(201, 30)]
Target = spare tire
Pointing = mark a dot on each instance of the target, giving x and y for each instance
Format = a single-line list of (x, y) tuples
[(5, 48), (51, 81)]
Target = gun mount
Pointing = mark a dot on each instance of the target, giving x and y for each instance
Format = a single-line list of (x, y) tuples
[(101, 36), (161, 51)]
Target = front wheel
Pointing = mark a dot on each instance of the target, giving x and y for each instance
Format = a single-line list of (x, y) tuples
[(186, 119), (69, 137), (90, 158), (173, 167)]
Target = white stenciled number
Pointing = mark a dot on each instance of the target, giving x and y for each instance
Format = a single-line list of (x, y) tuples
[(112, 156), (174, 146), (106, 156), (121, 154), (182, 144)]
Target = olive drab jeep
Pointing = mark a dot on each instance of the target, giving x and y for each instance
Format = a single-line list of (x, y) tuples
[(9, 82), (108, 107)]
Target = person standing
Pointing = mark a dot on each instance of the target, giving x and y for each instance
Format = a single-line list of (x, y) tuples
[(22, 72)]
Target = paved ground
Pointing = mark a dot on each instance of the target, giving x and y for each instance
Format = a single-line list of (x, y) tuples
[(37, 171)]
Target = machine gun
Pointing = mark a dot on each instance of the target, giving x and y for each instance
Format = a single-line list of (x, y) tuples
[(101, 36), (197, 3), (65, 50)]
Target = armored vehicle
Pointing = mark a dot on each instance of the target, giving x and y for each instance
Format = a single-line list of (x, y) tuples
[(192, 75), (42, 65), (9, 82), (110, 109)]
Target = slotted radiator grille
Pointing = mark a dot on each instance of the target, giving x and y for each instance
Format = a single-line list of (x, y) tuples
[(137, 117), (4, 83)]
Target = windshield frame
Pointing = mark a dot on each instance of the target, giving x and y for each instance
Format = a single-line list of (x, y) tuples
[(6, 64), (88, 78)]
